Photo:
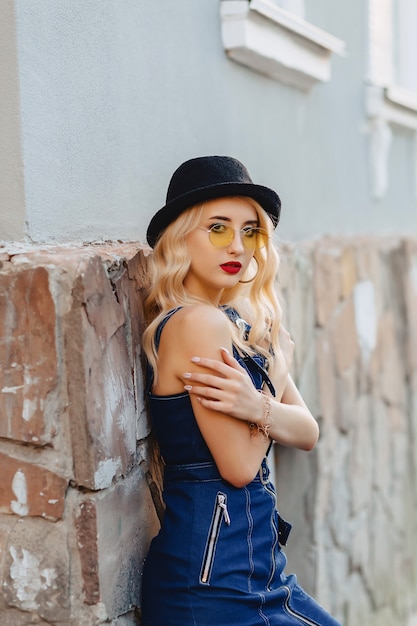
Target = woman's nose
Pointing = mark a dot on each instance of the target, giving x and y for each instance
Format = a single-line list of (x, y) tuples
[(236, 245)]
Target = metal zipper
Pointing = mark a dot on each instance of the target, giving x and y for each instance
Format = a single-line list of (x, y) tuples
[(220, 513), (301, 618), (275, 542)]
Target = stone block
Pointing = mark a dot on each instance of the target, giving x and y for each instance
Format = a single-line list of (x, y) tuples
[(128, 287), (344, 336), (326, 377), (130, 619), (360, 527), (366, 318), (322, 501), (104, 312), (340, 497), (332, 572), (126, 523), (367, 259), (327, 281), (299, 306), (114, 529), (360, 468), (382, 555), (27, 354), (391, 452), (14, 617), (143, 425), (86, 528), (338, 572), (382, 447), (348, 271), (296, 487), (346, 396), (400, 301), (100, 385), (286, 250), (412, 620), (410, 294), (323, 556), (400, 493), (30, 490), (386, 616), (37, 578), (389, 365), (358, 603), (307, 381), (413, 440), (6, 526)]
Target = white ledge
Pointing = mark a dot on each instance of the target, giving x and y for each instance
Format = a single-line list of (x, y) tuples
[(278, 43), (393, 104)]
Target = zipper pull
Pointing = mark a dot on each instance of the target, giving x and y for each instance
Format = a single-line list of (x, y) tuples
[(223, 506)]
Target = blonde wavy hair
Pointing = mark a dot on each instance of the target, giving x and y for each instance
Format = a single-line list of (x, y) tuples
[(256, 301)]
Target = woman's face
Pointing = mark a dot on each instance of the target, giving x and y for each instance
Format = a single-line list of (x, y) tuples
[(214, 268)]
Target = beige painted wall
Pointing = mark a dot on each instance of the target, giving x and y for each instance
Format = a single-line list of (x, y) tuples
[(12, 199)]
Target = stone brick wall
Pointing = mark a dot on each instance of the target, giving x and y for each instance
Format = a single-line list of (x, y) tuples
[(79, 487), (76, 511), (352, 310)]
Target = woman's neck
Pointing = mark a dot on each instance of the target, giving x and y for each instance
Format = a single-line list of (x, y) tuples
[(213, 298)]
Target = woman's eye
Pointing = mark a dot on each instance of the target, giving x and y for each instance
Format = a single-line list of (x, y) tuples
[(249, 232), (218, 228)]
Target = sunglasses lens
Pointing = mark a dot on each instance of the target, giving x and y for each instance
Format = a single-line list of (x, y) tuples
[(254, 238), (221, 235)]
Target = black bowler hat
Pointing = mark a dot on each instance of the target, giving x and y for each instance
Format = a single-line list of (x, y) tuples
[(206, 178)]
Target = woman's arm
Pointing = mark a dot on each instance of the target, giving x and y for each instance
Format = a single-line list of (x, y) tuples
[(202, 330), (228, 388)]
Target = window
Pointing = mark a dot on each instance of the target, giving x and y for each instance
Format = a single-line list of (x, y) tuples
[(391, 92), (405, 43)]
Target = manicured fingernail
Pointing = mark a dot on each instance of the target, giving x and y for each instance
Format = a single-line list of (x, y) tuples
[(187, 375), (187, 387), (225, 349), (195, 359)]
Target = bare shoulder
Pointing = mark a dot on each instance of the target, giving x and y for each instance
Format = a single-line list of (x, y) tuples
[(195, 330), (195, 321)]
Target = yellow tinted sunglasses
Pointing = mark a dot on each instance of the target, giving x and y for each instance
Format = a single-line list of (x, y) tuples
[(221, 236)]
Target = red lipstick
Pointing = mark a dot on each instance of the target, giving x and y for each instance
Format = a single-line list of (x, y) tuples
[(232, 267)]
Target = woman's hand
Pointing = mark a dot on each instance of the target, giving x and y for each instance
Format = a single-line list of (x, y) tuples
[(228, 389)]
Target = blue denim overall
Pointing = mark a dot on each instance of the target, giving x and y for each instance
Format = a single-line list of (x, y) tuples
[(217, 560)]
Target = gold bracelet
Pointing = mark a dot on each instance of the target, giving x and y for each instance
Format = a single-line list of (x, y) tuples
[(265, 424)]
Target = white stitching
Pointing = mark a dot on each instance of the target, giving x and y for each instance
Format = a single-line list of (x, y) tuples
[(249, 538)]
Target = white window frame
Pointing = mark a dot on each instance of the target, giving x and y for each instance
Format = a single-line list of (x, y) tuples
[(388, 104), (406, 44), (276, 42)]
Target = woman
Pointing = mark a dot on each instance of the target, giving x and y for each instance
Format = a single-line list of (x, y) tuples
[(219, 392)]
